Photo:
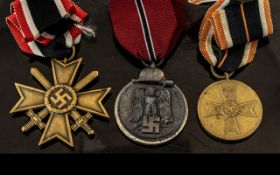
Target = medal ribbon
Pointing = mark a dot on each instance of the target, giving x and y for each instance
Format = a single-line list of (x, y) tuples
[(229, 33), (46, 28), (148, 29)]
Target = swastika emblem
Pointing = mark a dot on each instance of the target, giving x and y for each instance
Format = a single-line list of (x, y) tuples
[(61, 99), (151, 125)]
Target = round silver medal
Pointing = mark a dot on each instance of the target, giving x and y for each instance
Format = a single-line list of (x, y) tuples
[(151, 110)]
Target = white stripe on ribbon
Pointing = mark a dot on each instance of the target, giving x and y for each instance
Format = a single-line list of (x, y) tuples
[(68, 39), (47, 35), (149, 31), (61, 8), (32, 45), (246, 54), (78, 39), (76, 18), (29, 19), (210, 36), (226, 28), (209, 48), (223, 5), (263, 18)]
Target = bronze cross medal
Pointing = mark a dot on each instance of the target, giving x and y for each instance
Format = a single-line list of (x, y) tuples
[(229, 110), (59, 101)]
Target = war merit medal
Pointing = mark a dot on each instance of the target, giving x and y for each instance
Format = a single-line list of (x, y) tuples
[(228, 38)]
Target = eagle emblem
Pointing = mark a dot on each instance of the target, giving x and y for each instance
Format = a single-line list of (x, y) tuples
[(151, 109)]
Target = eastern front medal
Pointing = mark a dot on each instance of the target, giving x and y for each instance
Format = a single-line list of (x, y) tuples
[(61, 107), (228, 38), (151, 109)]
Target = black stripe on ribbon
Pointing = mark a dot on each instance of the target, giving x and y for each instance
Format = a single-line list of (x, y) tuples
[(234, 59), (38, 10), (236, 25), (147, 32), (60, 27), (253, 20), (55, 48)]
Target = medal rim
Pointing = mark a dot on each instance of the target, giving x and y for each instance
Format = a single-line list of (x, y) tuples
[(145, 142), (222, 138)]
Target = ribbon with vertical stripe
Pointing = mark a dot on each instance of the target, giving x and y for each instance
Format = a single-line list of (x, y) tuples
[(230, 30), (148, 29), (46, 28)]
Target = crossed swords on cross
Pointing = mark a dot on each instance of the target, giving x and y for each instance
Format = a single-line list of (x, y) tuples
[(37, 119)]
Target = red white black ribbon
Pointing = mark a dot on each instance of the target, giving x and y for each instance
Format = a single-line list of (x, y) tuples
[(148, 29), (46, 28), (229, 33)]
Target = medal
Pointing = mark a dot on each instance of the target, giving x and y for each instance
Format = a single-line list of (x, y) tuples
[(229, 109), (151, 109), (62, 106)]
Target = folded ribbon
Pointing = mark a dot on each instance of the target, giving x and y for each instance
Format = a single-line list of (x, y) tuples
[(46, 28), (229, 33)]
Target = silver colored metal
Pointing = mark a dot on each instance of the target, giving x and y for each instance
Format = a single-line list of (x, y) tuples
[(151, 110)]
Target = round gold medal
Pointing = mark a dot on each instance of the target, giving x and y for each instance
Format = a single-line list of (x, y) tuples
[(229, 110)]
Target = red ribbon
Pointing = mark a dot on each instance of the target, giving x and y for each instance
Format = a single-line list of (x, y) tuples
[(148, 29), (32, 40)]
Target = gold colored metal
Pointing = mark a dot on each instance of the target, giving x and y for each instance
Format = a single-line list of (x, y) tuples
[(229, 110), (60, 100), (81, 84), (35, 119), (81, 121), (40, 77), (72, 56), (217, 76)]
